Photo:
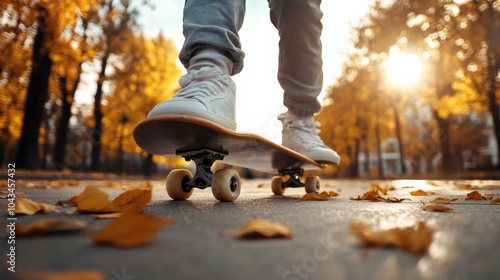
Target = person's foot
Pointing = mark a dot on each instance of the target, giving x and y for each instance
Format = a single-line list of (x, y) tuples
[(301, 134), (206, 93)]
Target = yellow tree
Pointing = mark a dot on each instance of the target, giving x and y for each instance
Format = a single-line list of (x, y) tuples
[(150, 77)]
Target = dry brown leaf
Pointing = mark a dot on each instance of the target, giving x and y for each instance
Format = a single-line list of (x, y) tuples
[(94, 200), (420, 193), (133, 200), (415, 239), (49, 226), (496, 200), (64, 275), (261, 228), (377, 188), (131, 229), (107, 216), (443, 200), (370, 195), (475, 195), (394, 199), (436, 207), (29, 207), (315, 196), (333, 194), (260, 185)]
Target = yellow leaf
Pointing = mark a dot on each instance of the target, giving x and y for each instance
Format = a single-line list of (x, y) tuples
[(443, 200), (131, 229), (436, 207), (377, 188), (315, 196), (415, 239), (29, 207), (371, 196), (420, 193), (64, 275), (94, 200), (496, 200), (133, 200), (261, 228), (333, 194), (51, 225)]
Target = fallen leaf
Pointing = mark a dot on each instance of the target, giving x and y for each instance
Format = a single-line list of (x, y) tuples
[(370, 195), (394, 199), (415, 239), (407, 187), (475, 195), (260, 185), (436, 207), (420, 193), (333, 194), (107, 216), (496, 200), (315, 196), (30, 207), (261, 228), (51, 225), (131, 229), (443, 200), (94, 200), (465, 187), (57, 275), (133, 200), (376, 187)]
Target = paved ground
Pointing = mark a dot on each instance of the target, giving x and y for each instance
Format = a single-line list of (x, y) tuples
[(466, 242)]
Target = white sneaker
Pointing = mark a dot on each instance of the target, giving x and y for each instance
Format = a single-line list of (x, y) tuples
[(301, 134), (206, 93)]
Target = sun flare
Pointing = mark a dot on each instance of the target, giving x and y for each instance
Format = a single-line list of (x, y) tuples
[(402, 69)]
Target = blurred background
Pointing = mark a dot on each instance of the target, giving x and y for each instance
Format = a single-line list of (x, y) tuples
[(411, 87)]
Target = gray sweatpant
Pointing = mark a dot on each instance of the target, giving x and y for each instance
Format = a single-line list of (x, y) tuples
[(215, 24)]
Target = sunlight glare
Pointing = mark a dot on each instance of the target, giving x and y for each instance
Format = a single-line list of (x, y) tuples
[(402, 69)]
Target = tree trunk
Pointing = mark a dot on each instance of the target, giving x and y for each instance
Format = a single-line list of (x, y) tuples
[(147, 167), (27, 155), (97, 132), (448, 163)]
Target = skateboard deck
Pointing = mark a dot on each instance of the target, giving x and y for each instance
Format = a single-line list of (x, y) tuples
[(176, 135)]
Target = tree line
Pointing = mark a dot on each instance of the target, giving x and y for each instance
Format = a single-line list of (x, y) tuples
[(443, 117), (51, 50)]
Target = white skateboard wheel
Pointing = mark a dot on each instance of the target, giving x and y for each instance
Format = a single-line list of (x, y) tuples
[(226, 185), (277, 185), (175, 182), (312, 184)]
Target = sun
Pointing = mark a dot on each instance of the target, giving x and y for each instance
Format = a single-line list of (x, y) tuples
[(402, 69)]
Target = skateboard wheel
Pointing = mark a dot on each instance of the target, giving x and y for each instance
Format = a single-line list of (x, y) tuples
[(175, 184), (226, 185), (312, 184), (277, 185)]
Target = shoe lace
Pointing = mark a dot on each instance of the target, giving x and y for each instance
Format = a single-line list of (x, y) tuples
[(306, 130), (206, 80)]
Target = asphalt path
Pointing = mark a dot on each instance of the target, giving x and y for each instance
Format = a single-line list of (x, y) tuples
[(466, 241)]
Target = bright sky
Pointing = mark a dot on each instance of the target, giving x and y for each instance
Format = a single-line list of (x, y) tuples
[(259, 96)]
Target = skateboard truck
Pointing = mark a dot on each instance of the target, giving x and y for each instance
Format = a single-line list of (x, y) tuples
[(204, 159), (293, 177)]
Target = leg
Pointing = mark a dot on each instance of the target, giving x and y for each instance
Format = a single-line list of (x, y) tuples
[(215, 25), (300, 74), (211, 53), (300, 64)]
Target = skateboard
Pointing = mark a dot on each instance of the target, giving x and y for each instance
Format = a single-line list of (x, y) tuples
[(204, 142)]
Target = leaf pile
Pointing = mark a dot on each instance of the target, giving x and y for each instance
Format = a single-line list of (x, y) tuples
[(415, 239)]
